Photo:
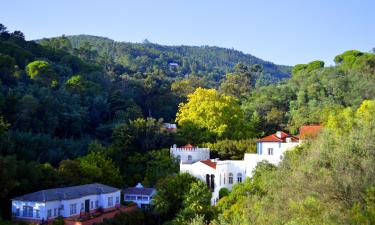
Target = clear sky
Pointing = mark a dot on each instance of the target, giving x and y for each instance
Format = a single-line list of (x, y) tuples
[(281, 31)]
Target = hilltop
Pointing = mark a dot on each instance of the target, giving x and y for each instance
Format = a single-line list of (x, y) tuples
[(210, 62)]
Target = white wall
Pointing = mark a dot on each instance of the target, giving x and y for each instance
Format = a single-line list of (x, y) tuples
[(197, 154), (139, 202), (223, 169), (279, 148), (36, 206), (52, 205)]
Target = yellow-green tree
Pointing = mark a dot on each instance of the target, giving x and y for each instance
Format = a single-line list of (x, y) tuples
[(42, 71), (216, 113)]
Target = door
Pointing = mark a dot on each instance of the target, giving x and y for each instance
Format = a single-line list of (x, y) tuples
[(87, 205)]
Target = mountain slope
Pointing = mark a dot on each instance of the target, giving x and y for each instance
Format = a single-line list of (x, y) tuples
[(178, 61)]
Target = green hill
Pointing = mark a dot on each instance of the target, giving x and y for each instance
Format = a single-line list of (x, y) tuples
[(178, 61)]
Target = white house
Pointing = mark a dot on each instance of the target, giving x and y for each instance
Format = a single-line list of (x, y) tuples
[(217, 174), (225, 173), (65, 202), (276, 144), (189, 154), (140, 195)]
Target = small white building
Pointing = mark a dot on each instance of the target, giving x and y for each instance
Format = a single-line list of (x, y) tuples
[(66, 202), (140, 195), (225, 173), (276, 144), (189, 154), (170, 127)]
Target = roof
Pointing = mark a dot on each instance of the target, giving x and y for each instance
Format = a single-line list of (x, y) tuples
[(275, 138), (209, 163), (309, 131), (139, 190), (188, 146), (67, 193)]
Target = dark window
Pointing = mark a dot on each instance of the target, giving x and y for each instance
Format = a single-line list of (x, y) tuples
[(239, 177), (212, 182), (230, 178), (208, 180)]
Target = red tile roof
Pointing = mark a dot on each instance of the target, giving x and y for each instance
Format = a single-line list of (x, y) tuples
[(209, 163), (275, 138), (187, 146), (309, 131)]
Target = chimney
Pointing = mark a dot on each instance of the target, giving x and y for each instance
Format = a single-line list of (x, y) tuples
[(278, 134)]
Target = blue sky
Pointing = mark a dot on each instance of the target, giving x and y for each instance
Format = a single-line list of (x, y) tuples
[(282, 31)]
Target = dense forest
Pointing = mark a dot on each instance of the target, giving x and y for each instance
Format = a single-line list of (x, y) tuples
[(83, 109)]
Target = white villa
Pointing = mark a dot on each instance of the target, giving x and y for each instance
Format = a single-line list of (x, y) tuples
[(225, 173), (140, 195), (66, 202)]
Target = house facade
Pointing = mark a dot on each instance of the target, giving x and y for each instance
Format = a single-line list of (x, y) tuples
[(65, 202), (218, 174), (189, 154), (140, 195)]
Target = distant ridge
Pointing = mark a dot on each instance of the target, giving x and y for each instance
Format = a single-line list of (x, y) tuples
[(210, 61)]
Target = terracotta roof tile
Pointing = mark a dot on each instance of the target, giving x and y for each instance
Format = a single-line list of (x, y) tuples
[(309, 131), (188, 146), (275, 138), (209, 163)]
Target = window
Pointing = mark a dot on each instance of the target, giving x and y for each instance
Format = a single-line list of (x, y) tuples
[(18, 212), (96, 204), (224, 178), (117, 200), (145, 198), (127, 197), (92, 204), (110, 201), (82, 206), (212, 182), (49, 213), (139, 197), (239, 177), (190, 158), (54, 212), (73, 209), (37, 213), (270, 151), (24, 211), (30, 211), (230, 178), (208, 180)]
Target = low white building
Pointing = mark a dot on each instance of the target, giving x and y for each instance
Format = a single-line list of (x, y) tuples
[(189, 153), (140, 195), (225, 173), (65, 202)]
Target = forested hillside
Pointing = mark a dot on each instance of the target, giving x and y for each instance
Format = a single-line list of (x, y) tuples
[(84, 109), (211, 63)]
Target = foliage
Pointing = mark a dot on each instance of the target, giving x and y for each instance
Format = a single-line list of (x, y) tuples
[(210, 63), (182, 196), (231, 149), (218, 114), (334, 185), (128, 218), (42, 71)]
